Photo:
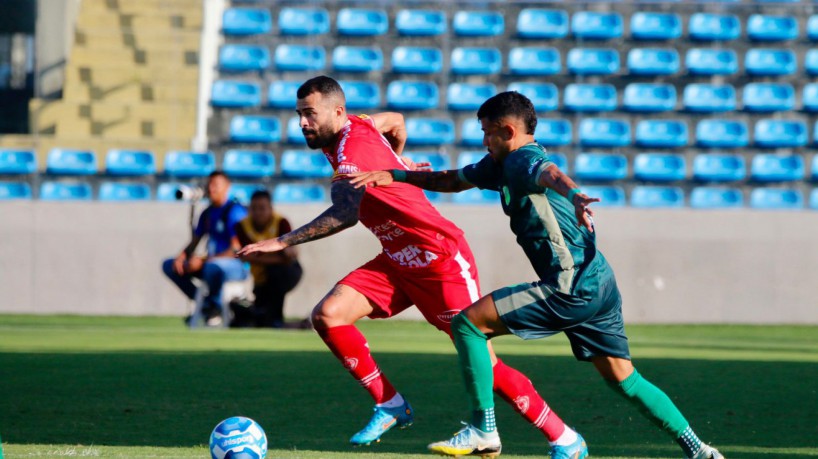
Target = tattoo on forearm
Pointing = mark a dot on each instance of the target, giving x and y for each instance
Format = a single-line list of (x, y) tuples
[(343, 214), (445, 181)]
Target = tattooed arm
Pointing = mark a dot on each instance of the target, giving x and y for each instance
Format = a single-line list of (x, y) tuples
[(445, 181)]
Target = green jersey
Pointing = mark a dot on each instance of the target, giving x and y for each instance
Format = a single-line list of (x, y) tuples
[(563, 254)]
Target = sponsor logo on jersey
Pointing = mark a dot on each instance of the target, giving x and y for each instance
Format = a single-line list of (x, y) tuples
[(522, 403), (388, 231), (412, 257), (346, 169), (350, 363), (447, 316), (534, 166)]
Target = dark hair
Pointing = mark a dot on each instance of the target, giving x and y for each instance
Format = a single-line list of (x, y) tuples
[(323, 85), (259, 194), (215, 174), (509, 104)]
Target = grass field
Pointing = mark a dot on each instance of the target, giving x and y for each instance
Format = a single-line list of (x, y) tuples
[(147, 387)]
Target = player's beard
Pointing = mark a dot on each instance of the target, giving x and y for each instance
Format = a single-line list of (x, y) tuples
[(323, 137)]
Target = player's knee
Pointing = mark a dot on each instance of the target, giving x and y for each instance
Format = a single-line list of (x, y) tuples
[(328, 313)]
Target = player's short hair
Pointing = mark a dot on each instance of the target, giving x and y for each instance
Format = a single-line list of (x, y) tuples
[(509, 104), (323, 85), (261, 194), (215, 174)]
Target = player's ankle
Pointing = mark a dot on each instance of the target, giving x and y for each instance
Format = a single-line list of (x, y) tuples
[(568, 437), (394, 402)]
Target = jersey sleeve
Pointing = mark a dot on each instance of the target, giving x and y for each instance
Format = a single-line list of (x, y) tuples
[(529, 166), (483, 174)]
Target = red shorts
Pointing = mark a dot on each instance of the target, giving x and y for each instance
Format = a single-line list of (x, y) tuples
[(439, 293)]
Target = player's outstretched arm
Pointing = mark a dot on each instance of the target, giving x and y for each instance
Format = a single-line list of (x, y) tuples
[(393, 128), (443, 181), (552, 177)]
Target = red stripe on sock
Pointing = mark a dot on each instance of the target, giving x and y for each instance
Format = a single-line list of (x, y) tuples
[(518, 391)]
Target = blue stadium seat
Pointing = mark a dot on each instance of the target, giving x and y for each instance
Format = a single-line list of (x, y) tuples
[(813, 199), (553, 132), (246, 21), (602, 132), (420, 23), (661, 133), (770, 133), (412, 95), (411, 59), (294, 134), (544, 96), (559, 160), (532, 60), (357, 59), (702, 61), (478, 24), (719, 167), (771, 28), (600, 167), (476, 196), (242, 192), (812, 28), (537, 23), (249, 163), (243, 58), (305, 164), (469, 157), (768, 97), (65, 191), (303, 21), (471, 133), (716, 197), (299, 193), (589, 97), (189, 163), (659, 167), (439, 161), (64, 161), (129, 162), (281, 94), (651, 197), (610, 196), (811, 62), (434, 196), (235, 94), (361, 95), (714, 27), (592, 25), (15, 190), (768, 167), (116, 191), (17, 162), (717, 133), (476, 61), (255, 129), (649, 97), (593, 61), (361, 22), (770, 62), (167, 192), (429, 131), (655, 26), (709, 98), (653, 61), (300, 58), (468, 96), (776, 199)]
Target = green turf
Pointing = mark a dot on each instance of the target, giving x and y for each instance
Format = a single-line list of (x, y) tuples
[(147, 387)]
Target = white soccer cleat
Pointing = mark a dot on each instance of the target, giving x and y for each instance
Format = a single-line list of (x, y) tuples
[(707, 452), (469, 441)]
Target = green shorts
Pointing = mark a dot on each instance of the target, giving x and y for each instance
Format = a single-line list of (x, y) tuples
[(594, 327)]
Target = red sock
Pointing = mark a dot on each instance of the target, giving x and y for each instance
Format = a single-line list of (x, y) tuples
[(518, 391), (351, 348)]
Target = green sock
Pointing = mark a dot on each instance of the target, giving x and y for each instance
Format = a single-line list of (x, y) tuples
[(475, 364), (652, 402)]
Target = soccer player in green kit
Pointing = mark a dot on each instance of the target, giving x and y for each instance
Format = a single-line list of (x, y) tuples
[(576, 293)]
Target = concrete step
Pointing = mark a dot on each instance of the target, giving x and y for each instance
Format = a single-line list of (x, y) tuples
[(145, 40), (113, 20), (105, 74), (126, 57), (132, 92)]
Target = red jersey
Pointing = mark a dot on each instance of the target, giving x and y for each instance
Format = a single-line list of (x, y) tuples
[(412, 232)]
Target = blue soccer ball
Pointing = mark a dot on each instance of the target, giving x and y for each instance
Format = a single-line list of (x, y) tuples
[(238, 438)]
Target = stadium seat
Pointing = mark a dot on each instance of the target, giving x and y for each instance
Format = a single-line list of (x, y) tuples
[(768, 167), (246, 21), (702, 61), (544, 96), (300, 58), (653, 61), (249, 163), (811, 62), (412, 95), (189, 163), (299, 193), (281, 94), (303, 21), (659, 167), (429, 131), (589, 97), (655, 26), (812, 28), (771, 28), (592, 25), (714, 27), (359, 59), (661, 133), (65, 191), (361, 95), (559, 160), (770, 133), (255, 129), (294, 134), (716, 133), (600, 167), (719, 167), (651, 197), (15, 190), (420, 23), (471, 133), (478, 24), (167, 191), (469, 157), (602, 132), (610, 196), (535, 61), (709, 98), (63, 161), (770, 62), (468, 96), (17, 162), (649, 97), (439, 161), (476, 61), (411, 59), (129, 163), (593, 61), (776, 199), (235, 94), (539, 24), (813, 199), (243, 58), (476, 196), (553, 132), (359, 22), (305, 164), (434, 196), (768, 97), (716, 197), (242, 192), (116, 191)]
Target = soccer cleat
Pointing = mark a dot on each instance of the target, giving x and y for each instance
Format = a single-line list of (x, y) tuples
[(707, 452), (383, 420), (576, 450), (469, 441)]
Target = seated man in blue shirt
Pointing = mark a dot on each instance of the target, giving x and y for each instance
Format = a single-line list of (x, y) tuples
[(218, 222)]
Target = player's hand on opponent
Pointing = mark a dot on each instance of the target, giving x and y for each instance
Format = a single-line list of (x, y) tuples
[(266, 246), (371, 178), (585, 216)]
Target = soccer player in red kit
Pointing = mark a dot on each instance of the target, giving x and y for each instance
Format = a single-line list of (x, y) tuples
[(425, 259)]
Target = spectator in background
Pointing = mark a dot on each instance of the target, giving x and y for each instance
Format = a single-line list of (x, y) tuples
[(274, 274), (217, 222)]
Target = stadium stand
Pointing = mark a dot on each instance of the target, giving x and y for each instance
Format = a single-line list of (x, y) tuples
[(601, 167), (130, 163), (361, 95), (249, 163), (115, 191), (709, 98), (411, 59), (420, 23), (590, 97), (468, 96), (15, 191), (246, 58), (17, 162), (65, 191), (534, 61), (303, 21), (657, 197), (478, 24), (186, 164), (305, 164), (358, 59), (711, 197), (776, 199), (611, 196), (544, 96), (412, 95), (649, 97), (539, 23)]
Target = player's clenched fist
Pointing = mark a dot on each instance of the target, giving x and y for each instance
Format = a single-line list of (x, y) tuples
[(372, 178), (266, 246)]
